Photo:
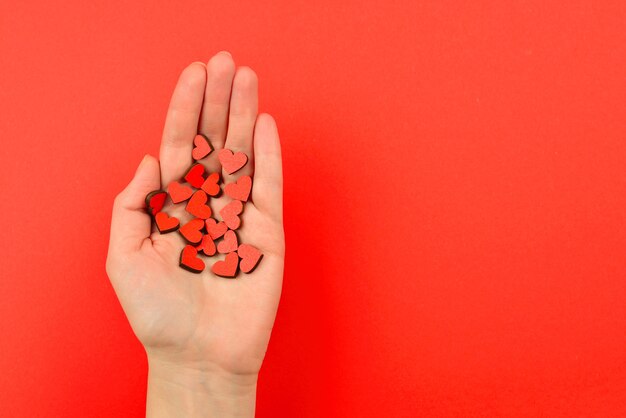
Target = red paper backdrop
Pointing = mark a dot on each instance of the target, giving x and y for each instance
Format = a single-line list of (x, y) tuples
[(454, 200)]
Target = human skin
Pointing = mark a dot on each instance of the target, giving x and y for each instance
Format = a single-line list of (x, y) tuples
[(205, 336)]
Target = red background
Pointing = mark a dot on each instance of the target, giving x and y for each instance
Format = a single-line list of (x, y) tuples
[(454, 200)]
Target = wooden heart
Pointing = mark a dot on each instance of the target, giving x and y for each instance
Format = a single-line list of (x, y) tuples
[(250, 257), (232, 162), (192, 230), (189, 260), (165, 223), (215, 229), (240, 189), (227, 267), (179, 192), (228, 244), (202, 147), (207, 246), (195, 175), (211, 185), (230, 214), (155, 201), (197, 205)]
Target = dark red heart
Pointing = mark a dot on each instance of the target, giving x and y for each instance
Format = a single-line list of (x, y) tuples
[(211, 184), (215, 229), (155, 201), (239, 190), (165, 223), (195, 175), (250, 257), (229, 214), (192, 230), (197, 205), (227, 267), (202, 147), (228, 244), (232, 162), (207, 246), (178, 192), (189, 260)]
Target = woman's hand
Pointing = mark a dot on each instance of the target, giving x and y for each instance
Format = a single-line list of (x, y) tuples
[(205, 336)]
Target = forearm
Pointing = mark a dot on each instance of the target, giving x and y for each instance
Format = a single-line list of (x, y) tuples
[(175, 391)]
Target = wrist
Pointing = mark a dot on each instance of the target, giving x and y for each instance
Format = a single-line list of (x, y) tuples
[(182, 390)]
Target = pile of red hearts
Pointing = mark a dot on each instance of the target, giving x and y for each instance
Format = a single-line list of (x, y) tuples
[(202, 231)]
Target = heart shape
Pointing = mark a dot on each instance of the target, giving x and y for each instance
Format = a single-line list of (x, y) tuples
[(250, 257), (232, 162), (202, 147), (197, 205), (155, 201), (228, 244), (165, 223), (189, 260), (229, 214), (195, 175), (192, 230), (211, 184), (227, 267), (207, 246), (240, 189), (179, 192), (215, 229)]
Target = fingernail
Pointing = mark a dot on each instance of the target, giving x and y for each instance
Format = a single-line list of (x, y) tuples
[(225, 52)]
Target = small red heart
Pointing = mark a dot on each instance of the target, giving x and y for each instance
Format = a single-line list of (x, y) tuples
[(178, 192), (197, 205), (250, 257), (155, 201), (229, 214), (232, 162), (211, 184), (228, 244), (207, 246), (228, 267), (215, 229), (239, 190), (202, 147), (191, 231), (195, 175), (189, 260), (165, 223)]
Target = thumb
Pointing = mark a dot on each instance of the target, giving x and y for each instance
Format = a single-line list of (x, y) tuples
[(130, 223)]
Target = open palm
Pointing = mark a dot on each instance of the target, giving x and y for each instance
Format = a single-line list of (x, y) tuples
[(201, 320)]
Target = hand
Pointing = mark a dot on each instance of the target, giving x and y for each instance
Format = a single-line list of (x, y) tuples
[(203, 334)]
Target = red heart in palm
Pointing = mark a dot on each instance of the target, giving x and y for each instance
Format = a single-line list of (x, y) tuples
[(227, 267), (202, 147), (239, 190), (189, 260), (195, 175), (211, 184), (165, 223), (232, 162), (250, 257), (197, 205)]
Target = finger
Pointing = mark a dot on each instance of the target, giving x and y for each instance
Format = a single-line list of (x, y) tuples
[(130, 223), (244, 104), (181, 123), (220, 71), (267, 189)]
